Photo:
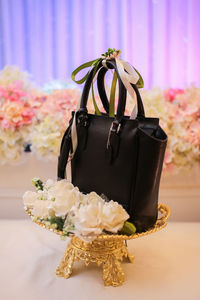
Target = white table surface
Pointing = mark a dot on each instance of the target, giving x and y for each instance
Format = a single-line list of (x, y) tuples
[(167, 266)]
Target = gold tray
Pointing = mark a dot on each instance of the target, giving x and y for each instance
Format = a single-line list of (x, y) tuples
[(105, 250)]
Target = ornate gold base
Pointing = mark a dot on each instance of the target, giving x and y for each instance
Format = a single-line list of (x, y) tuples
[(105, 250), (107, 253)]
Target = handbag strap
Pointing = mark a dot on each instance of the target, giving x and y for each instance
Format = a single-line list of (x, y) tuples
[(101, 89), (111, 64), (103, 95), (86, 88), (122, 94)]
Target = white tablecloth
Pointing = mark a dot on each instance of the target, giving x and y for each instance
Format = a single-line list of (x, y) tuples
[(167, 266)]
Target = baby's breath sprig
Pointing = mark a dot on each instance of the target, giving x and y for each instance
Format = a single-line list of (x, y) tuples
[(38, 184), (111, 53)]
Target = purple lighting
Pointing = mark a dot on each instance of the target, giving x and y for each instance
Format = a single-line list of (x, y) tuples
[(50, 38)]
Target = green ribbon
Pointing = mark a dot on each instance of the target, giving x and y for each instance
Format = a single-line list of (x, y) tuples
[(112, 96), (95, 63), (88, 64), (91, 63), (140, 83)]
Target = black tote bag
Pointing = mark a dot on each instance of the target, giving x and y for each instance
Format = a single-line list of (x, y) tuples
[(118, 157)]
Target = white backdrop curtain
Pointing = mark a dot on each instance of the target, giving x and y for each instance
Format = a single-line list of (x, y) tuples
[(49, 38)]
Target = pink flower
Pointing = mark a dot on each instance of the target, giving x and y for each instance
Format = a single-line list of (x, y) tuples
[(15, 108), (59, 102), (16, 114), (170, 94), (5, 124), (13, 92), (168, 167)]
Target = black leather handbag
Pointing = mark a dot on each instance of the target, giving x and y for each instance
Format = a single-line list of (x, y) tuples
[(118, 157)]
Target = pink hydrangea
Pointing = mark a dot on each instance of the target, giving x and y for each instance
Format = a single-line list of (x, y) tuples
[(13, 91), (16, 114), (15, 111), (59, 101)]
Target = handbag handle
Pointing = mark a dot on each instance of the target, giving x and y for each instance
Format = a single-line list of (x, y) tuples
[(86, 89), (122, 92), (103, 95), (101, 89)]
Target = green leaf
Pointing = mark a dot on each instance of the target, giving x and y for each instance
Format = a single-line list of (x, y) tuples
[(57, 220), (112, 96), (110, 51), (38, 184), (60, 223), (128, 228)]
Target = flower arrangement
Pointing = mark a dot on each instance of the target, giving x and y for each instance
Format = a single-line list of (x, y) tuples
[(16, 115), (46, 137), (62, 206), (30, 116), (15, 109), (179, 113), (52, 116), (12, 145)]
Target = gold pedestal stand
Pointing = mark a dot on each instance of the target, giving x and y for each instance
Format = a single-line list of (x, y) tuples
[(106, 250)]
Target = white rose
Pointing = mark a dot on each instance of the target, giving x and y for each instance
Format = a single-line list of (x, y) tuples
[(29, 198), (60, 190), (41, 208), (113, 216), (87, 220), (63, 184), (65, 196), (92, 198)]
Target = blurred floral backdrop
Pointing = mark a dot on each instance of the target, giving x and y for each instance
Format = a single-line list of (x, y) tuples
[(34, 119)]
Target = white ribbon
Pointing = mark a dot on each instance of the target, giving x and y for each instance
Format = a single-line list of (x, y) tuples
[(128, 75), (74, 131)]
